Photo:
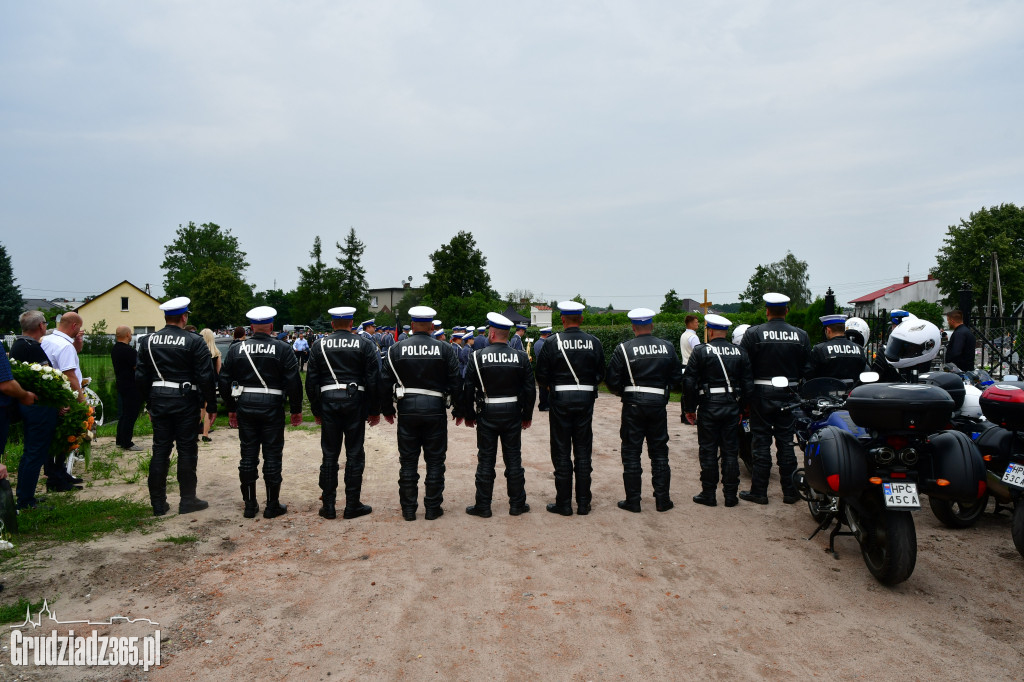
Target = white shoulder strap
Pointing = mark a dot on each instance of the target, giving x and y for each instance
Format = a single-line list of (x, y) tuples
[(245, 349), (628, 368), (476, 363), (149, 346), (558, 339), (328, 362), (395, 371), (724, 373)]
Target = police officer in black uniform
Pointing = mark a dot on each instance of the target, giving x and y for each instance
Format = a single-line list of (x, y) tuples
[(776, 348), (717, 386), (422, 374), (175, 376), (570, 366), (837, 356), (343, 384), (256, 376), (642, 371), (498, 397)]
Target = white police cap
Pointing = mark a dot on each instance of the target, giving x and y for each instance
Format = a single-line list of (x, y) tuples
[(422, 313), (342, 312), (738, 332), (499, 321), (773, 299), (571, 308), (175, 306), (520, 325), (439, 332), (437, 323), (372, 322), (713, 321), (838, 318), (641, 316), (261, 314), (545, 330)]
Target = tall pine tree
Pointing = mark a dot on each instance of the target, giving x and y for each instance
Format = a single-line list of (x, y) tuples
[(353, 289), (11, 301)]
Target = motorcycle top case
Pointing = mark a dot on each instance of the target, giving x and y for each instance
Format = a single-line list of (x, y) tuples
[(1003, 404), (955, 458), (835, 463), (950, 383), (905, 408)]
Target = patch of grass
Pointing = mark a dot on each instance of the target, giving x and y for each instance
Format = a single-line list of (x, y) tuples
[(12, 456), (180, 539), (13, 613), (62, 518)]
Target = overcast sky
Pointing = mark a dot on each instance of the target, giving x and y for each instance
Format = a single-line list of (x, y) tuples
[(614, 149)]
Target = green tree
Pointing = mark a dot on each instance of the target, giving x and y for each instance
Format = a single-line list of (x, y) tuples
[(926, 311), (672, 304), (787, 276), (193, 249), (318, 287), (219, 298), (965, 256), (96, 342), (281, 301), (579, 299), (411, 299), (11, 301), (460, 270), (353, 289)]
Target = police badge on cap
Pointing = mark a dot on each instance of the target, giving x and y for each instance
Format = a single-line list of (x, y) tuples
[(175, 306), (263, 314)]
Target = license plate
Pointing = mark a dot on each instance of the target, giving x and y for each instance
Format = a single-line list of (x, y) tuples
[(901, 495), (1014, 475), (746, 426)]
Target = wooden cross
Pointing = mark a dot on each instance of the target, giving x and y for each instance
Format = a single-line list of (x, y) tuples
[(705, 305)]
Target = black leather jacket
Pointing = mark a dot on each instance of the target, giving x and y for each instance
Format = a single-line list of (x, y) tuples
[(776, 348), (179, 357), (506, 373), (705, 384), (587, 357), (354, 361), (644, 361), (422, 363), (839, 358), (277, 365)]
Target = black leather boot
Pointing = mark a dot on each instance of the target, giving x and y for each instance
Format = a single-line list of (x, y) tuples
[(274, 508), (707, 498), (327, 509), (631, 482), (478, 510), (191, 503), (249, 497)]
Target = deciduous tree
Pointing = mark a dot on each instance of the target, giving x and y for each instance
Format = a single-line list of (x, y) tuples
[(787, 276), (219, 298), (193, 249), (672, 304), (460, 269)]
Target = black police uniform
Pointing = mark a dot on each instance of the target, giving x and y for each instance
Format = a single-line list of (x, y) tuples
[(422, 374), (838, 357), (643, 370), (343, 385), (776, 348), (718, 385), (260, 410), (573, 390), (175, 376), (499, 394)]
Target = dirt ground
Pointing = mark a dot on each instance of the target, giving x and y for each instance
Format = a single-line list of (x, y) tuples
[(695, 592)]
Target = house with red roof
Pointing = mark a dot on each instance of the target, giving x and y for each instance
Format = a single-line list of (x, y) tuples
[(897, 295), (540, 316)]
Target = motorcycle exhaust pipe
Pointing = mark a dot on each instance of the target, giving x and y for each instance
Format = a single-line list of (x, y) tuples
[(884, 455), (909, 456)]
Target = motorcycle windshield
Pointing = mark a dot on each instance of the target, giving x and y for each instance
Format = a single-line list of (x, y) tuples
[(824, 386)]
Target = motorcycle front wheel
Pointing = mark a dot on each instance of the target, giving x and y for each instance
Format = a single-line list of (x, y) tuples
[(958, 514), (1018, 526), (888, 544)]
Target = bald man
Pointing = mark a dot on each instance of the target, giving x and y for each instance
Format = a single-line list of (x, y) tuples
[(61, 347), (125, 358)]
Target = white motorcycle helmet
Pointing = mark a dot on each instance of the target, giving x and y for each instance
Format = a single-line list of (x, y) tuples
[(857, 330), (913, 342), (738, 332), (972, 402)]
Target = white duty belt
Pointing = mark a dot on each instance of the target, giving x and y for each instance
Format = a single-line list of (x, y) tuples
[(768, 382), (716, 389), (267, 391), (499, 401), (424, 391), (574, 387), (340, 387), (173, 384), (644, 389)]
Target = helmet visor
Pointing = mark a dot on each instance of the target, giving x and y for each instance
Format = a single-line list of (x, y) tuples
[(898, 349)]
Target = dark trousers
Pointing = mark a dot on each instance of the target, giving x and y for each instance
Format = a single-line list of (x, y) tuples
[(429, 433), (543, 398), (572, 441), (174, 430), (261, 427), (489, 429), (717, 437), (342, 424), (40, 423), (302, 357), (128, 405), (767, 424), (639, 423)]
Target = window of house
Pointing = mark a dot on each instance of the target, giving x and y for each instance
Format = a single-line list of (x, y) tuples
[(373, 301), (124, 304)]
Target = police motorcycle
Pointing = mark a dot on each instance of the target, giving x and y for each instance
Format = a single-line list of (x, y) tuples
[(867, 473)]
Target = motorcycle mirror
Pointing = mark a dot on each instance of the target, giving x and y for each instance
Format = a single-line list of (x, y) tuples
[(780, 382), (869, 377)]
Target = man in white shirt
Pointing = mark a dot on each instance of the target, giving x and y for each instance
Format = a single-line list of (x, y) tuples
[(61, 348), (689, 339)]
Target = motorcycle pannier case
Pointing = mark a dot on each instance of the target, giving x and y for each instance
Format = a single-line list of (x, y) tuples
[(951, 384), (956, 459), (835, 463), (900, 408), (1003, 404)]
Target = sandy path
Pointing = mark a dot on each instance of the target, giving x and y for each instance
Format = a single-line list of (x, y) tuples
[(691, 593)]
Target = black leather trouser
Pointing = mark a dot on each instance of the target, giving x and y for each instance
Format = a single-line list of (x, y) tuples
[(640, 422), (767, 423), (261, 426), (572, 441), (489, 429), (343, 422), (429, 433), (174, 425), (717, 437)]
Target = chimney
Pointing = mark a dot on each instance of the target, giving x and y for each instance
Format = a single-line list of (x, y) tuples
[(147, 287), (906, 279)]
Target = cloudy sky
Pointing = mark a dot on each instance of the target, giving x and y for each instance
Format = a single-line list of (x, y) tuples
[(613, 149)]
